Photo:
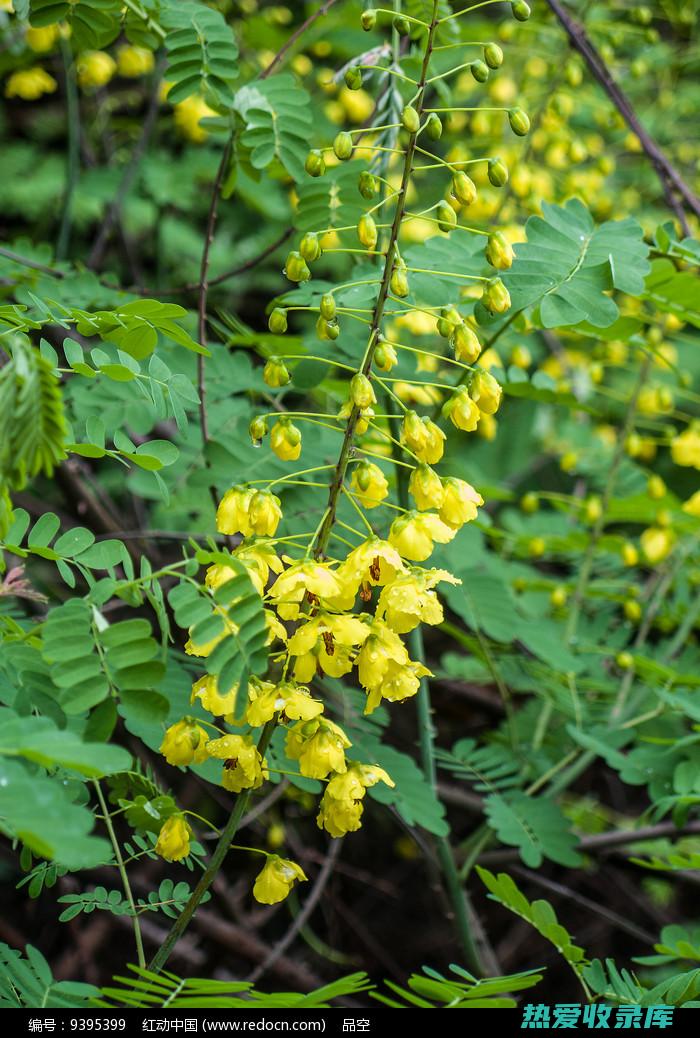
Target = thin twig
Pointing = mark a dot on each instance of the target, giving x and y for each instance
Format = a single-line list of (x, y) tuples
[(323, 9), (671, 181), (113, 214)]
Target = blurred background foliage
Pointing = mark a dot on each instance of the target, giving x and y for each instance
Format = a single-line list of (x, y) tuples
[(566, 669)]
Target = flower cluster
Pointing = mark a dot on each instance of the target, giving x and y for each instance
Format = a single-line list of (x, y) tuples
[(342, 607)]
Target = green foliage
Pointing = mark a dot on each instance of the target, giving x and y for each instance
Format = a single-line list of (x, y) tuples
[(169, 898), (539, 914), (535, 825), (28, 983), (569, 264), (202, 53), (432, 990), (93, 23), (277, 123), (145, 989), (240, 650), (32, 420)]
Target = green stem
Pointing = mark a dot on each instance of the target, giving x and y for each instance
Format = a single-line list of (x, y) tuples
[(209, 875), (122, 872), (73, 163), (596, 533)]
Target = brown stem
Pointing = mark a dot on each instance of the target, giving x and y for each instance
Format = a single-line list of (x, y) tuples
[(346, 447), (323, 9), (671, 181)]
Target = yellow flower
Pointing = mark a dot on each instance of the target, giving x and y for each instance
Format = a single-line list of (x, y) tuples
[(285, 440), (630, 555), (460, 502), (384, 668), (265, 513), (410, 599), (371, 563), (365, 417), (206, 690), (422, 437), (341, 805), (325, 643), (275, 628), (319, 746), (259, 558), (416, 393), (233, 513), (685, 448), (276, 880), (487, 427), (173, 842), (369, 484), (30, 84), (358, 105), (244, 768), (656, 543), (315, 581), (41, 39), (486, 392), (425, 487), (692, 505), (94, 68), (133, 62), (290, 701), (413, 534), (400, 682), (462, 411), (187, 115), (382, 646), (184, 743)]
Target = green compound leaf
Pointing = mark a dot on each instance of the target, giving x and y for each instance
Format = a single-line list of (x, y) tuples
[(539, 914), (567, 266), (232, 618), (278, 123), (331, 200), (32, 422), (202, 53), (26, 983), (39, 811), (37, 739), (94, 23), (673, 291), (535, 825)]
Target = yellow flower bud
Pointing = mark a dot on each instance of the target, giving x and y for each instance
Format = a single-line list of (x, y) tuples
[(462, 411), (499, 251), (465, 343), (369, 484), (460, 502), (425, 487), (656, 543), (264, 512), (285, 440), (275, 373), (361, 391), (184, 743), (496, 297), (486, 392), (94, 68), (367, 231), (173, 842)]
